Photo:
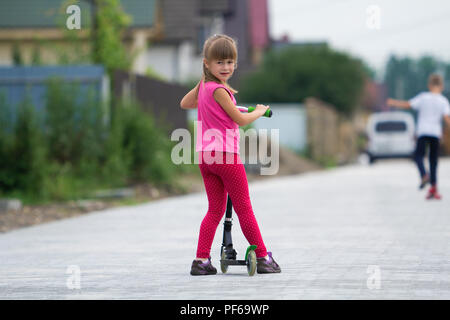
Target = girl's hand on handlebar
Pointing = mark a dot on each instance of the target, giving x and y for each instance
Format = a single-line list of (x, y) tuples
[(261, 109)]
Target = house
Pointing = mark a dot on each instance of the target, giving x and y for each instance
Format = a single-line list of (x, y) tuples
[(38, 28), (167, 35), (187, 24)]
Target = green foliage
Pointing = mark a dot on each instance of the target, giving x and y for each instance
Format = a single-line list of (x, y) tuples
[(61, 122), (16, 55), (105, 37), (107, 45), (406, 77), (71, 149), (6, 145), (328, 162), (36, 59), (28, 153), (151, 73), (292, 74), (117, 163), (75, 127), (146, 146)]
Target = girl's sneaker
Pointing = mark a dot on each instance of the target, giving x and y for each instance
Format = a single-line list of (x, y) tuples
[(267, 266), (199, 268), (433, 193)]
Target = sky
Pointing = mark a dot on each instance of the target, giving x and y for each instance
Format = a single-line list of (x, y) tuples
[(370, 30)]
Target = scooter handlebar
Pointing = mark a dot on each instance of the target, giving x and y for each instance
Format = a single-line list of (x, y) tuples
[(267, 114)]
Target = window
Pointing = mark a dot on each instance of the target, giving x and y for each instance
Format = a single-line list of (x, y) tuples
[(391, 126)]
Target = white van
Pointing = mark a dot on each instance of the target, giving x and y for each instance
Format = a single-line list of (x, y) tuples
[(390, 134)]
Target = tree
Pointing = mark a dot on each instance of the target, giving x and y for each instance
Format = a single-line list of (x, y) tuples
[(110, 22), (294, 73), (107, 23), (406, 77)]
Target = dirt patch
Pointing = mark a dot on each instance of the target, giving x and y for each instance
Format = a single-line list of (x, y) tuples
[(290, 163)]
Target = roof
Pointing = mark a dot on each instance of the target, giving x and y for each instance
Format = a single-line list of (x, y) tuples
[(48, 13), (182, 19)]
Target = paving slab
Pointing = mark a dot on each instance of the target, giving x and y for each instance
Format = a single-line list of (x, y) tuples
[(355, 232)]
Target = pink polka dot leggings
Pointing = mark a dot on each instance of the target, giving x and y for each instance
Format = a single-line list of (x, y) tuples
[(221, 178)]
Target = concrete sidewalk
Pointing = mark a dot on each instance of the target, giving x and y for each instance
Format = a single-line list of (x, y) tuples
[(356, 232)]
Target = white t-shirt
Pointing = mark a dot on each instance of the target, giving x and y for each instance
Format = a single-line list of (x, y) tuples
[(431, 108)]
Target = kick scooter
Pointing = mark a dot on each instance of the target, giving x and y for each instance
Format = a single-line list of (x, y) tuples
[(227, 252)]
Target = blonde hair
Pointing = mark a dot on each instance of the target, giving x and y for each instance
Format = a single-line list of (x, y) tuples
[(219, 47), (435, 80)]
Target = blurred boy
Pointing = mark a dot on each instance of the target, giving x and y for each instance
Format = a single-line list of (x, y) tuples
[(432, 107)]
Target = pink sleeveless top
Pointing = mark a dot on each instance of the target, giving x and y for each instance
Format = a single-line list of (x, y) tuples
[(216, 131)]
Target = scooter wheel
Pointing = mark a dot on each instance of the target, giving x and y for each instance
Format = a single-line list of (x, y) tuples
[(251, 263), (223, 265)]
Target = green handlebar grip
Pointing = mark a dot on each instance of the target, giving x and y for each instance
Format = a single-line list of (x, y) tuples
[(267, 114)]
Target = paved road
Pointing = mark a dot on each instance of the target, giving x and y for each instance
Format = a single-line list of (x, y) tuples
[(357, 232)]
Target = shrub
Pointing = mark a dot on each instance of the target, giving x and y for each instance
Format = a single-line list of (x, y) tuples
[(7, 179), (27, 157), (71, 148), (293, 74), (146, 146)]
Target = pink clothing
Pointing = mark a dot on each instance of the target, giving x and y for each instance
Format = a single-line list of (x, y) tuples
[(216, 131), (222, 170), (220, 179)]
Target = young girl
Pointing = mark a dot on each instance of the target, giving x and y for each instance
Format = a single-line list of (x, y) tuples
[(225, 174)]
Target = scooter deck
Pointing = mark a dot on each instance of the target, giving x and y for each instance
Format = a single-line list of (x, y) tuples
[(234, 262)]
